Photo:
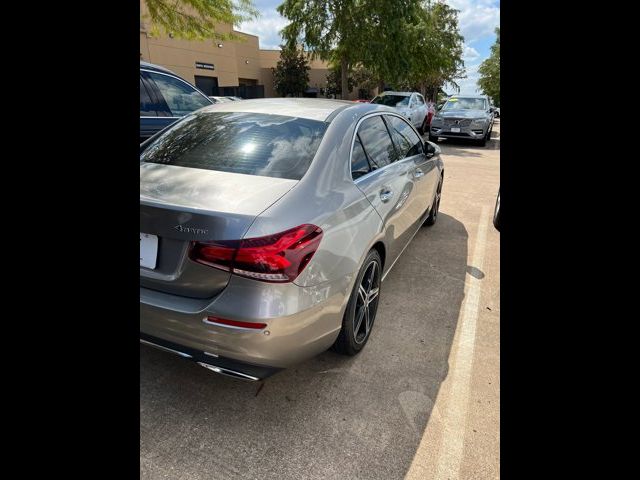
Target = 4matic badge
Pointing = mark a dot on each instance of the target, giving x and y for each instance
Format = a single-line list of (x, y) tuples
[(194, 230)]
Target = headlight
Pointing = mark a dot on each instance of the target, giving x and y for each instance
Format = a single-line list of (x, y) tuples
[(478, 122), (435, 120)]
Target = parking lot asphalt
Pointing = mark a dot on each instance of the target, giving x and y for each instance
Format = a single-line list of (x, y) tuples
[(420, 401)]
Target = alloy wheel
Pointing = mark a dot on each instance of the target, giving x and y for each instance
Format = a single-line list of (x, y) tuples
[(367, 302)]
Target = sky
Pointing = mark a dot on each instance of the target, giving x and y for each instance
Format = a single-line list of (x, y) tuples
[(477, 21)]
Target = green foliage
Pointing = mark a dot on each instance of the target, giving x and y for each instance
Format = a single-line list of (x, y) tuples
[(197, 19), (489, 71), (291, 74), (358, 77), (410, 42)]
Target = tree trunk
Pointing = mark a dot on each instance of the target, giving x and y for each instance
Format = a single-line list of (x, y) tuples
[(380, 86), (344, 76)]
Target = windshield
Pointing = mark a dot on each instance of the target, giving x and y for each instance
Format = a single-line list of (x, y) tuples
[(465, 104), (392, 100), (238, 142)]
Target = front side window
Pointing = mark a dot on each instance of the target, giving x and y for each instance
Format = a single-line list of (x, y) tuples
[(377, 142), (407, 141), (240, 142), (420, 100), (179, 96)]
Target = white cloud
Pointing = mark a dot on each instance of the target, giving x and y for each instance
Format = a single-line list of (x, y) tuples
[(470, 54), (267, 28), (477, 18), (467, 85)]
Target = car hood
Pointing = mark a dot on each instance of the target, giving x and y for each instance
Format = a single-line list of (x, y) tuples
[(463, 114)]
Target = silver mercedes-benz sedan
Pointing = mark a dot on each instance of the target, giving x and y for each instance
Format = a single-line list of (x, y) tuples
[(268, 226)]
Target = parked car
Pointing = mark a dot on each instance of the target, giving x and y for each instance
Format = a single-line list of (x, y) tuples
[(217, 99), (164, 98), (265, 236), (463, 116), (496, 112), (362, 100), (496, 213), (409, 104)]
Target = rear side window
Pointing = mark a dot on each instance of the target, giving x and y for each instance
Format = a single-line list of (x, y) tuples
[(376, 141), (147, 108), (240, 142), (419, 100), (359, 163), (180, 97), (406, 140)]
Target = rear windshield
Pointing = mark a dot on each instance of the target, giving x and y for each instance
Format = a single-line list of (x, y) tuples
[(240, 142)]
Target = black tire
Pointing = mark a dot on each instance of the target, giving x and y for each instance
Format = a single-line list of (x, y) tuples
[(432, 138), (483, 142), (433, 214), (350, 342)]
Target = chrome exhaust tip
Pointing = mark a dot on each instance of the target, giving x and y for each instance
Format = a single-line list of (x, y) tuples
[(229, 373)]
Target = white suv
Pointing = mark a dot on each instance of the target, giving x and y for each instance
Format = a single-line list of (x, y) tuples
[(409, 104)]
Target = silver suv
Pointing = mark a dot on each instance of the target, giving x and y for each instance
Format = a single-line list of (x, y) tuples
[(463, 117)]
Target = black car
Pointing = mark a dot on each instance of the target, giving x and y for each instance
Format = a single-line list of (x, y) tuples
[(164, 98)]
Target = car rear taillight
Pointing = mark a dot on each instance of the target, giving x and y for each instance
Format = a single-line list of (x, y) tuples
[(274, 258)]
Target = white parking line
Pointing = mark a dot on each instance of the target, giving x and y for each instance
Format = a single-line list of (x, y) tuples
[(455, 406)]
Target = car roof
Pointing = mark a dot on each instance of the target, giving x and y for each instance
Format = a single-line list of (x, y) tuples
[(310, 108), (402, 94), (157, 68)]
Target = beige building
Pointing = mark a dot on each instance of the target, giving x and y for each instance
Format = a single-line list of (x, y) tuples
[(223, 67)]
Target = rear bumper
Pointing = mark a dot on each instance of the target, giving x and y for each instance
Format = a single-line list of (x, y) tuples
[(301, 322), (221, 365)]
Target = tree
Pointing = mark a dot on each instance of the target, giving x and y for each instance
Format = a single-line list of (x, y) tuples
[(291, 74), (489, 70), (326, 28), (437, 50), (197, 19), (334, 81)]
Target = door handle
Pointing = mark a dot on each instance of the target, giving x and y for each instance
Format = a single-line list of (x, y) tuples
[(418, 173), (386, 194)]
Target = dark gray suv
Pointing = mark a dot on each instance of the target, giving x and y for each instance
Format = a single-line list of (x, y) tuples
[(164, 98), (463, 116)]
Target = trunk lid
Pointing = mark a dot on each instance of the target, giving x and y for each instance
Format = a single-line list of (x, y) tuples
[(179, 205)]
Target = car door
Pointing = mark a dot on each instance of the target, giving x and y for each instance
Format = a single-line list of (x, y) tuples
[(421, 109), (410, 148), (414, 114), (387, 181)]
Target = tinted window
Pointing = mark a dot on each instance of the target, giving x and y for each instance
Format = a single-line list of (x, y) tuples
[(147, 109), (239, 142), (359, 162), (419, 100), (376, 141), (180, 97), (407, 141)]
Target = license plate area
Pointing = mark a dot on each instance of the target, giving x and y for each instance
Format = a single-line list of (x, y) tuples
[(455, 129), (148, 250)]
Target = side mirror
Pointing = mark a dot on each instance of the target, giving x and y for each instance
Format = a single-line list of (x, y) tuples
[(429, 149)]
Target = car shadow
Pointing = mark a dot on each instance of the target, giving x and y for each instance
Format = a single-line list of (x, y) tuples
[(331, 416)]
